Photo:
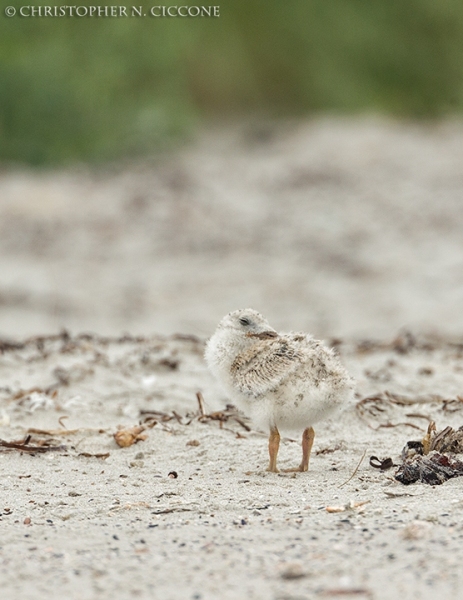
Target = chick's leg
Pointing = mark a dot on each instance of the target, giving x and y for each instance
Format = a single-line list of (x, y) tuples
[(273, 445), (307, 443)]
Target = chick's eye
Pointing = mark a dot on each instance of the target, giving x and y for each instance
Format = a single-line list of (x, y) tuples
[(245, 321)]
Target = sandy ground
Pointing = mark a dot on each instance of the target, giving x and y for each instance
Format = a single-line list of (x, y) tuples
[(92, 520), (338, 227), (349, 229)]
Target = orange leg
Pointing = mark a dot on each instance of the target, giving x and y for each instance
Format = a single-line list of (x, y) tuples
[(273, 445), (307, 443)]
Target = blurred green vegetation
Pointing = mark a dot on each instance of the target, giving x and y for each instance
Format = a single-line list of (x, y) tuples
[(95, 89)]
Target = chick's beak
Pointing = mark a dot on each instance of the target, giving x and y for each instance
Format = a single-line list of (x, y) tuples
[(263, 335)]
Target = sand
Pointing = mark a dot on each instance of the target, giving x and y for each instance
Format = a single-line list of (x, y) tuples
[(338, 227), (350, 229), (93, 520)]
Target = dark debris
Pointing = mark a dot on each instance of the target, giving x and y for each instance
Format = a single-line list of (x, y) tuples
[(431, 460), (433, 469)]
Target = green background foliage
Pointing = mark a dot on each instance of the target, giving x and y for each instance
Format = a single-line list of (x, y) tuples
[(95, 89)]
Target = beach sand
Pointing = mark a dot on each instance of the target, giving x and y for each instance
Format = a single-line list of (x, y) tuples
[(190, 512), (347, 228)]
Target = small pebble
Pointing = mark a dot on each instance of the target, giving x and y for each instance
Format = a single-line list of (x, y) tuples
[(292, 571)]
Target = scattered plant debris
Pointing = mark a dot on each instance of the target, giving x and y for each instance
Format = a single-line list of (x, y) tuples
[(193, 443), (355, 471), (128, 437), (430, 460), (347, 592), (54, 432), (25, 446), (453, 405), (378, 411), (348, 506), (395, 494), (382, 465), (103, 455), (222, 416), (433, 470), (447, 440)]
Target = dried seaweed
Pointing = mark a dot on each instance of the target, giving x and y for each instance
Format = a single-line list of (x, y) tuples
[(430, 460), (158, 415), (406, 342), (382, 465), (7, 346), (452, 405), (433, 469), (25, 446), (347, 592), (221, 416), (69, 343), (448, 440), (103, 455), (403, 343), (375, 411), (64, 431)]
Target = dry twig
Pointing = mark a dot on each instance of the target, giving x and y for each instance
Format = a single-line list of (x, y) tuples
[(23, 445), (355, 471), (200, 398)]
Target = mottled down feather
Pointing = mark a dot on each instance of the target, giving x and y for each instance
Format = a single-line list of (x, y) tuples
[(257, 373)]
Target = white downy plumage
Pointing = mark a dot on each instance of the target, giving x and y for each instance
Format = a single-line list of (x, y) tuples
[(281, 380)]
